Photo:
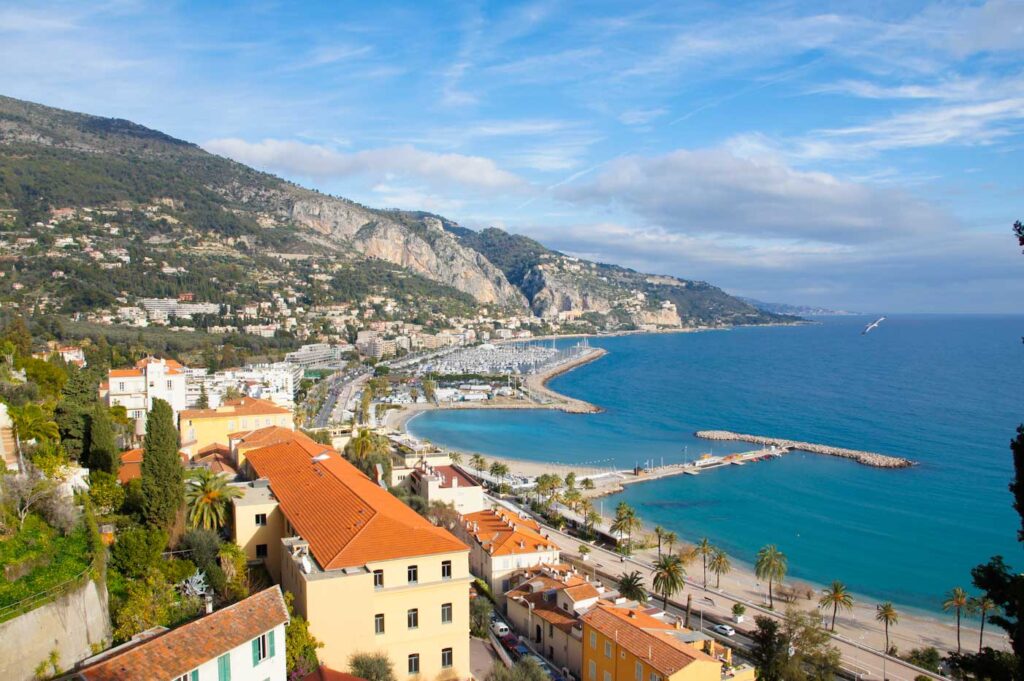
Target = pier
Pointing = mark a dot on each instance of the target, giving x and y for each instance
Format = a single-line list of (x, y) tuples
[(866, 458)]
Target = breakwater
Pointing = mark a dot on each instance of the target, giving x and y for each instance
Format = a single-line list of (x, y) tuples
[(866, 458)]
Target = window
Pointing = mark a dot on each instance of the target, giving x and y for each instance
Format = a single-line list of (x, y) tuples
[(120, 386), (446, 658), (551, 629), (170, 384), (592, 671), (413, 618), (261, 518), (446, 613), (378, 625), (261, 550), (188, 676), (413, 573), (607, 676), (608, 649), (262, 647), (446, 569), (378, 579), (639, 674), (224, 667), (593, 639), (655, 677), (414, 663)]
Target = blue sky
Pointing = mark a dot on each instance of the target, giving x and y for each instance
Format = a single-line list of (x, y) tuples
[(865, 155)]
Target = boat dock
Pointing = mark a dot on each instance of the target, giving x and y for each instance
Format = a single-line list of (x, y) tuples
[(866, 458)]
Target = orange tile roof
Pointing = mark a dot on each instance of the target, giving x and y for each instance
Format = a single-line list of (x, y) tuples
[(131, 466), (502, 533), (178, 651), (245, 406), (217, 462), (125, 373), (447, 475), (648, 638), (533, 591), (245, 441), (348, 519)]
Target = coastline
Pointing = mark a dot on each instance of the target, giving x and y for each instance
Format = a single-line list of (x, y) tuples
[(535, 384)]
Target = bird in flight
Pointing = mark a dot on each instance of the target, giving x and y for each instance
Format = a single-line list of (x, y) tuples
[(872, 326)]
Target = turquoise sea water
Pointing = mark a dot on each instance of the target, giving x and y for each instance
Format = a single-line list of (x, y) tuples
[(943, 390)]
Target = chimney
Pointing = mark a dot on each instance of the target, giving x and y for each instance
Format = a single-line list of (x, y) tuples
[(455, 482), (208, 598)]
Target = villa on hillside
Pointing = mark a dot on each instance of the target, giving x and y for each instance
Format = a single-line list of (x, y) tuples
[(367, 572), (242, 642), (201, 428), (136, 388)]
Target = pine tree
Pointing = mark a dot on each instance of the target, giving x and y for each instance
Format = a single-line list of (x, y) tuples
[(204, 399), (103, 453), (163, 490)]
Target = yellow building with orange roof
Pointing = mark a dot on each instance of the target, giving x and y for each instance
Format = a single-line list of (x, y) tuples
[(631, 644), (200, 428), (368, 573), (502, 542)]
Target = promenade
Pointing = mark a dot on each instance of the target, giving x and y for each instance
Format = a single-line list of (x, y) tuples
[(859, 638)]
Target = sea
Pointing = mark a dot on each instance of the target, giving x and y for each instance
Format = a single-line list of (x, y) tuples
[(945, 391)]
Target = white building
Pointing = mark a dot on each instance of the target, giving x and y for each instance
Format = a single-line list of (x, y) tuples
[(315, 356), (242, 642), (150, 379), (276, 382)]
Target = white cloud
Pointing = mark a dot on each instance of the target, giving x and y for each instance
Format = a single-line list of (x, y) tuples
[(314, 161), (716, 192)]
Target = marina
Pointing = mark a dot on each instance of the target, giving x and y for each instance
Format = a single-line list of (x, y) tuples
[(866, 458)]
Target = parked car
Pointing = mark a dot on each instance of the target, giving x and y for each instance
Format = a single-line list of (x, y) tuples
[(724, 630), (509, 642), (520, 652), (499, 628)]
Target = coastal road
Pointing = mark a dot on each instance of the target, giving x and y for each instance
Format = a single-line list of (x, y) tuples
[(858, 659), (341, 386)]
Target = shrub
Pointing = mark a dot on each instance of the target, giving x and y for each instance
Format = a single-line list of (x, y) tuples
[(203, 547), (107, 496), (738, 609), (479, 616), (372, 667), (137, 550)]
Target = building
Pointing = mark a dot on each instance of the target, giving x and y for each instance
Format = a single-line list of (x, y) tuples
[(242, 642), (630, 644), (8, 442), (315, 356), (131, 465), (200, 428), (449, 485), (545, 604), (367, 572), (501, 542), (150, 379)]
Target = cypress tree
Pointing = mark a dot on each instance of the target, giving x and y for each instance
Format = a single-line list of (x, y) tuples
[(204, 399), (163, 488), (103, 453)]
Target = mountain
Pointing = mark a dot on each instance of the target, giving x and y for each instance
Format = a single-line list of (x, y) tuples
[(797, 310), (190, 221)]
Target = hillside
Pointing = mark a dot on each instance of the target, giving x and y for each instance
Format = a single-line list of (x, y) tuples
[(99, 212)]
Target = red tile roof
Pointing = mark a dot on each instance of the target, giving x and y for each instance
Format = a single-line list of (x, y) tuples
[(245, 406), (347, 519), (178, 651), (131, 465), (273, 435), (502, 533), (648, 638)]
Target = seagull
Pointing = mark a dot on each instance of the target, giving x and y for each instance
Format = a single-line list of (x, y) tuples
[(873, 325)]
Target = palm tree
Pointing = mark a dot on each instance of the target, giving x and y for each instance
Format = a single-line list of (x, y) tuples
[(771, 565), (32, 422), (659, 532), (670, 538), (626, 522), (478, 463), (982, 605), (592, 518), (456, 457), (957, 600), (572, 498), (570, 480), (669, 577), (836, 596), (719, 565), (587, 483), (887, 615), (631, 586), (705, 549), (499, 471), (207, 497)]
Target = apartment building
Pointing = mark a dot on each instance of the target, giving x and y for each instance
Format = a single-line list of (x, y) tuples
[(242, 642), (367, 572), (631, 644), (502, 542), (449, 485), (150, 379), (200, 428), (315, 356)]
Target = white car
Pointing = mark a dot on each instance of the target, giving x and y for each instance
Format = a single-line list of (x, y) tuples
[(724, 630), (499, 628)]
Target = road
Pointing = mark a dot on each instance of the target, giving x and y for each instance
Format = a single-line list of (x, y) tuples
[(858, 659), (341, 387)]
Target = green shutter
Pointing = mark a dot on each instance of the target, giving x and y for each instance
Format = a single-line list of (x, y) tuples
[(271, 635), (224, 667), (255, 651), (195, 675)]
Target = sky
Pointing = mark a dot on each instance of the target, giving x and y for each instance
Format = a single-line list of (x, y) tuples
[(863, 155)]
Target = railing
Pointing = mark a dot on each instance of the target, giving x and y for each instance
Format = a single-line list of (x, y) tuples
[(35, 600)]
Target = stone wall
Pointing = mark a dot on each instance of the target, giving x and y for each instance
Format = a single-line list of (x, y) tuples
[(71, 625)]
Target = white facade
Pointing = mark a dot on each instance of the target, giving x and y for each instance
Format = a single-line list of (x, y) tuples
[(315, 356), (276, 382), (151, 379), (242, 660)]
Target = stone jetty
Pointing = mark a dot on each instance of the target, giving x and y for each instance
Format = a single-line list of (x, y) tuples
[(866, 458)]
